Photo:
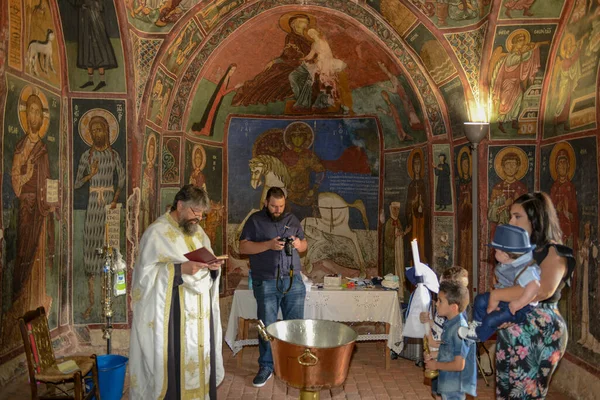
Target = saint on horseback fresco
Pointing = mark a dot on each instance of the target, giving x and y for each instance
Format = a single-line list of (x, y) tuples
[(329, 171)]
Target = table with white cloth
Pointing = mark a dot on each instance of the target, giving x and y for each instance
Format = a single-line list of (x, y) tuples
[(346, 305)]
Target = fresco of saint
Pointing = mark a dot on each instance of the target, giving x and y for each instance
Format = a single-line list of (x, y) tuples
[(587, 259), (512, 74), (148, 201), (98, 165), (566, 77), (417, 202), (564, 193), (443, 192), (197, 177), (393, 249), (300, 161), (273, 84), (35, 241), (511, 166), (465, 209)]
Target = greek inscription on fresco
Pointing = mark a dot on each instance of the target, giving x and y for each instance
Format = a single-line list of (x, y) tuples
[(113, 231), (14, 43)]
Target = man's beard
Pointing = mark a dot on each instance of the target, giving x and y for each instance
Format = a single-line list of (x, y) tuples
[(273, 217), (189, 226)]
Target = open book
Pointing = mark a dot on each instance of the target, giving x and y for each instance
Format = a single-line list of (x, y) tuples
[(204, 256)]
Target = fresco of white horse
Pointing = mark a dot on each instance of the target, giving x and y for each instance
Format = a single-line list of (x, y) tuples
[(269, 171), (334, 220), (266, 171)]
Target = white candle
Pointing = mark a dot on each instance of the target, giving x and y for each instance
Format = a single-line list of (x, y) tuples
[(415, 251)]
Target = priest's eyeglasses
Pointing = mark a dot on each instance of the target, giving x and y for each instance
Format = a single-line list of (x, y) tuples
[(197, 214)]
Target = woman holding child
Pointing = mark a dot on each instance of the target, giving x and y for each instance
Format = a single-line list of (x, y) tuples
[(527, 354)]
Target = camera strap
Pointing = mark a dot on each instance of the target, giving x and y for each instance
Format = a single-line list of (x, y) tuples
[(280, 280)]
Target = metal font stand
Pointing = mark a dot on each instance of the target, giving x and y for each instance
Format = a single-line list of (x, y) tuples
[(107, 293)]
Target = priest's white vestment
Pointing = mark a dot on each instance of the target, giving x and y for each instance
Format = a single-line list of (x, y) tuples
[(162, 246)]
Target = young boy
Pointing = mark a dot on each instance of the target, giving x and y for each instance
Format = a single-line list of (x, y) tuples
[(516, 266), (456, 357), (459, 275), (436, 324)]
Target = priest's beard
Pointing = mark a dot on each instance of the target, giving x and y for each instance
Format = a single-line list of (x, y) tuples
[(274, 217), (189, 226)]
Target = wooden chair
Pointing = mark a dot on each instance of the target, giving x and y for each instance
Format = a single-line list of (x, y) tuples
[(42, 364)]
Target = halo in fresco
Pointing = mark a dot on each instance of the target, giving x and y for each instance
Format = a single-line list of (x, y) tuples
[(304, 129), (284, 21), (524, 162), (459, 164), (561, 148), (151, 139), (409, 162), (516, 32), (25, 94), (84, 122), (202, 152), (567, 44)]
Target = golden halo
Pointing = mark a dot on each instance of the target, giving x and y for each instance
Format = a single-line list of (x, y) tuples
[(571, 156), (510, 37), (409, 163), (284, 20), (304, 128), (464, 150), (199, 148), (523, 168), (563, 51), (84, 125), (151, 138), (25, 93)]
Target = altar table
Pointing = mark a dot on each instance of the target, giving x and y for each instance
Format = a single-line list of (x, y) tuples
[(347, 305)]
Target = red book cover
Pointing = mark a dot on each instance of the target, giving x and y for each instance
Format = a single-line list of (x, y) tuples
[(203, 255)]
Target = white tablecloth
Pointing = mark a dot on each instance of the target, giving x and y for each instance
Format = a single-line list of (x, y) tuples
[(354, 305)]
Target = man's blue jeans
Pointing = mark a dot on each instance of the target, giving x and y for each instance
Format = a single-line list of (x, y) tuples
[(268, 300), (490, 322)]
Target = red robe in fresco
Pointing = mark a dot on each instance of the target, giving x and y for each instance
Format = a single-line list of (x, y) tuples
[(273, 84), (563, 195), (33, 212)]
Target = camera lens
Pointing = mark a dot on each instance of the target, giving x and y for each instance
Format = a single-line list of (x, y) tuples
[(289, 246)]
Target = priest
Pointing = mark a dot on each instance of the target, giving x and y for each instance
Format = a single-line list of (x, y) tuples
[(176, 331)]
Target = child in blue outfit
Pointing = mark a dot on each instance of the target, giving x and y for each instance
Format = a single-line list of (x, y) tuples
[(456, 357), (516, 266)]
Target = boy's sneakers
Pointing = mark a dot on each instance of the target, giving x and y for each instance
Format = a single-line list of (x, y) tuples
[(468, 333), (264, 374)]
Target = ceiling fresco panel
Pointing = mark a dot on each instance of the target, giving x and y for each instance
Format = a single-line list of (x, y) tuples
[(143, 51), (530, 9), (571, 101), (468, 48), (516, 74), (346, 44), (95, 59)]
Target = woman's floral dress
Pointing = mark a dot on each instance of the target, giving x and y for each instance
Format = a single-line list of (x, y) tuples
[(527, 354)]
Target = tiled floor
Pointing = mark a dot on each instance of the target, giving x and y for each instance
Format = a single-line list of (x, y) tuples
[(367, 379)]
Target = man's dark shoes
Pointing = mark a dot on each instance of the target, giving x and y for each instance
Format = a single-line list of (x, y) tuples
[(264, 374)]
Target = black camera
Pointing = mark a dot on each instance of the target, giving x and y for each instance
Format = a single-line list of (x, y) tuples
[(288, 246)]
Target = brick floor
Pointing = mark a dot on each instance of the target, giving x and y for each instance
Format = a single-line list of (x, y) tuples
[(367, 379)]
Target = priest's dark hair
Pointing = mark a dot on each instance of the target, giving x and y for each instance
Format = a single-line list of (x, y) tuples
[(192, 194)]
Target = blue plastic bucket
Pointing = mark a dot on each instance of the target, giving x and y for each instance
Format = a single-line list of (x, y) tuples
[(111, 374)]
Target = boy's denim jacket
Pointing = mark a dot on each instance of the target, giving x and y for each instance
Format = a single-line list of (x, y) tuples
[(452, 345)]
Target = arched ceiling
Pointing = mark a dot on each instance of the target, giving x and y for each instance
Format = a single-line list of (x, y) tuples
[(366, 37)]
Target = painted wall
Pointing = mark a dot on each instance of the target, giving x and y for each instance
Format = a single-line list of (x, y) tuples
[(361, 103)]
